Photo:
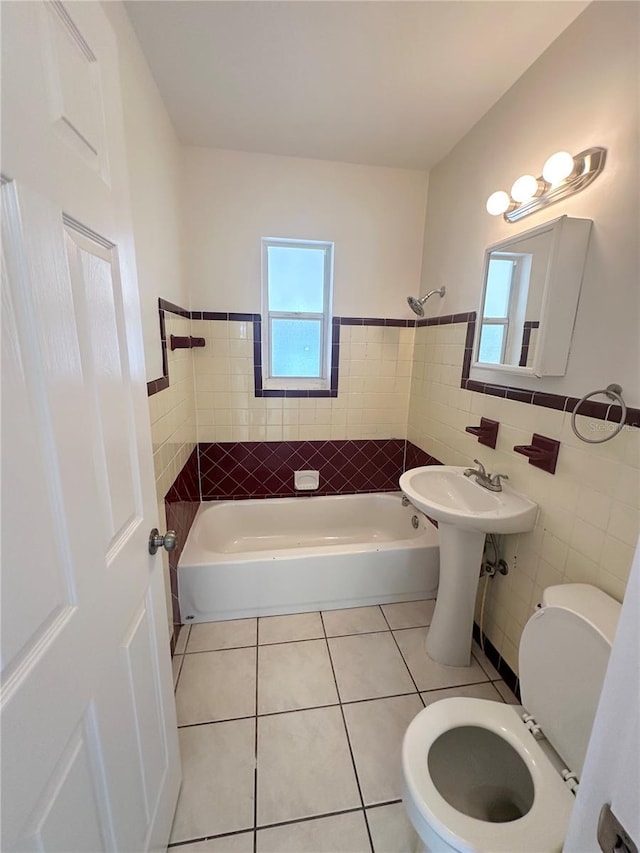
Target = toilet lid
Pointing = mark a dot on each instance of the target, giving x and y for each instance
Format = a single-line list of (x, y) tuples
[(563, 659)]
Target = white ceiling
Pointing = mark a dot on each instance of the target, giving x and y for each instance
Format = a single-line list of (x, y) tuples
[(389, 83)]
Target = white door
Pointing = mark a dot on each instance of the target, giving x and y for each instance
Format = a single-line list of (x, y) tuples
[(89, 740)]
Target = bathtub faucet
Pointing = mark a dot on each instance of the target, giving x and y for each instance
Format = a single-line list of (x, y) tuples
[(484, 479)]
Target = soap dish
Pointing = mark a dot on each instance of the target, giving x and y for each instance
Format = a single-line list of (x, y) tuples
[(306, 481)]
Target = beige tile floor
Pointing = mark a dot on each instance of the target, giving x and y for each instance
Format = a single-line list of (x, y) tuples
[(291, 728)]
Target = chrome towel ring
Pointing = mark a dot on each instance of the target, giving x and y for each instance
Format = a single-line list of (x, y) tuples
[(614, 393)]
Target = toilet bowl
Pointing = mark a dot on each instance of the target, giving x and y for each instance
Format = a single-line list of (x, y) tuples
[(484, 776)]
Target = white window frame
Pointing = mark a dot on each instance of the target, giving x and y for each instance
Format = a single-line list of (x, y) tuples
[(298, 383)]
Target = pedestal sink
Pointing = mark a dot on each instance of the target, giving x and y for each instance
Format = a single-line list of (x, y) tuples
[(465, 512)]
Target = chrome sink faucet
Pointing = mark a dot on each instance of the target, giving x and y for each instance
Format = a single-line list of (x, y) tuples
[(484, 479)]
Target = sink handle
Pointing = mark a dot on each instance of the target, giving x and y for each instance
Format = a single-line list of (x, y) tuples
[(483, 471), (494, 479)]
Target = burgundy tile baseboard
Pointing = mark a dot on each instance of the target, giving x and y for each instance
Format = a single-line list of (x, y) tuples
[(237, 470), (508, 675), (181, 504), (186, 486)]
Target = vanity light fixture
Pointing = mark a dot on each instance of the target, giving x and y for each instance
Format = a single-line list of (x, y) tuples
[(562, 175), (559, 167), (500, 202), (527, 187)]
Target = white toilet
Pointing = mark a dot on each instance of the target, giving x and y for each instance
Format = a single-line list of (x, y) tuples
[(483, 776)]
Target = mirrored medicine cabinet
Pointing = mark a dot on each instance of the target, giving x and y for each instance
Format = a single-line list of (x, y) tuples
[(529, 299)]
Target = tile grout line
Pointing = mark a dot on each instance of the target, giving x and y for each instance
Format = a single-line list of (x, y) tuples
[(302, 639), (180, 665), (183, 655), (403, 658), (174, 845), (256, 716), (346, 730), (291, 822), (336, 704), (308, 818)]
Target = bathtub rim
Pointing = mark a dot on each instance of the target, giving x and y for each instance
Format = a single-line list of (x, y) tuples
[(428, 537)]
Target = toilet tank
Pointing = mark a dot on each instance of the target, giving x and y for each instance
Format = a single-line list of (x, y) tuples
[(564, 652)]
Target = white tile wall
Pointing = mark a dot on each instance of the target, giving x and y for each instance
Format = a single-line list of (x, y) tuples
[(375, 375), (589, 510), (172, 412), (397, 383)]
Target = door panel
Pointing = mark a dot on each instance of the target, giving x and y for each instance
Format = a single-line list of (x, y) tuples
[(137, 649), (89, 759), (97, 299), (74, 93), (48, 593), (72, 788)]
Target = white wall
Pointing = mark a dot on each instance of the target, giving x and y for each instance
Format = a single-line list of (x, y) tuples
[(612, 769), (583, 91), (374, 215), (154, 159)]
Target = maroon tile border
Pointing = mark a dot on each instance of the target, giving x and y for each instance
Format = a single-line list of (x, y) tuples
[(164, 305), (446, 319), (181, 504), (260, 391), (388, 322), (156, 385), (336, 323), (601, 411)]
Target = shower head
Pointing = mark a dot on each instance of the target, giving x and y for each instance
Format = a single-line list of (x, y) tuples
[(417, 305)]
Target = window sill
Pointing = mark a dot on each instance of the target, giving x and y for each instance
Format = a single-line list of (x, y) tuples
[(296, 388), (296, 384)]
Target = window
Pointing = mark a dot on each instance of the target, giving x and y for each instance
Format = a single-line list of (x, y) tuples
[(495, 322), (297, 281)]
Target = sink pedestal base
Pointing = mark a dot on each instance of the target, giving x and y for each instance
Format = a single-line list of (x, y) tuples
[(449, 637)]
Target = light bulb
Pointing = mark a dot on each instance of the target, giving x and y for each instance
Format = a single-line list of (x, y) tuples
[(498, 202), (558, 167), (524, 188)]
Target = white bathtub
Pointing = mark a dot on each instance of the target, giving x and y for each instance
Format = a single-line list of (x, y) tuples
[(289, 555)]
